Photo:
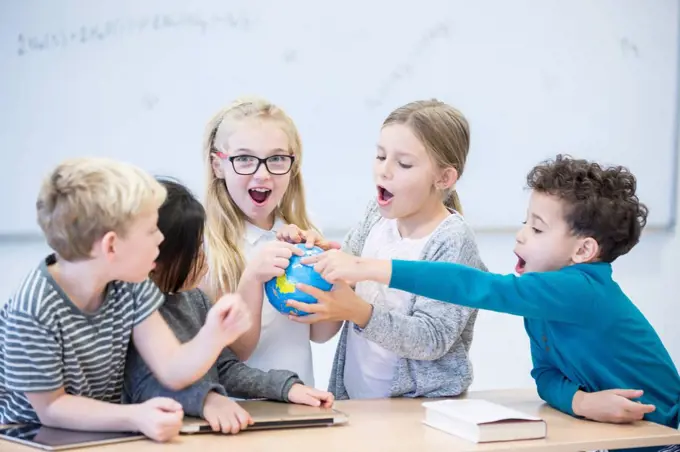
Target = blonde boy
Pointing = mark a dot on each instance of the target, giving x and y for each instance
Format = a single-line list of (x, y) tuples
[(65, 333)]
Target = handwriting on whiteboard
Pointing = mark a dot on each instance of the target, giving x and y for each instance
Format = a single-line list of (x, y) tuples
[(406, 68), (119, 27)]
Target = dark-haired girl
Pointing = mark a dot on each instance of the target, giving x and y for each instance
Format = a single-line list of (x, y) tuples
[(180, 267)]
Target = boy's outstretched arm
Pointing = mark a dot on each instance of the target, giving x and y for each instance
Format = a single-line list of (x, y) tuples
[(177, 365), (566, 295)]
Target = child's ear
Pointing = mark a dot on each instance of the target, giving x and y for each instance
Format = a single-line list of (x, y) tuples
[(447, 178), (216, 164), (587, 251), (107, 245)]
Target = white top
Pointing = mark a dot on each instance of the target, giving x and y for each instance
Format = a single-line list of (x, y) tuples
[(283, 344), (369, 368)]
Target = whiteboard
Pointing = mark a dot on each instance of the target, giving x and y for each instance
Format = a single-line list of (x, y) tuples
[(138, 80)]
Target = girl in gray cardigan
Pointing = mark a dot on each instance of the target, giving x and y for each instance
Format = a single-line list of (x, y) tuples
[(393, 343), (179, 268)]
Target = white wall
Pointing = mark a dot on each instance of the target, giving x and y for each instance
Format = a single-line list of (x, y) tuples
[(524, 79), (500, 351)]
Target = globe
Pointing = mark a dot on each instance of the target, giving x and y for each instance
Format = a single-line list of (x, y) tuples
[(282, 288)]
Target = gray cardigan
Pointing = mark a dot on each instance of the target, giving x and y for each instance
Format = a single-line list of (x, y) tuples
[(433, 340), (185, 314)]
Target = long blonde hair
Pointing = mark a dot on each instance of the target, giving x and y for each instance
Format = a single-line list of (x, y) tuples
[(444, 132), (224, 220)]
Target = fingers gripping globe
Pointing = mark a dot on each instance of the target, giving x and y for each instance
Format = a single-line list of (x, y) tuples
[(283, 288)]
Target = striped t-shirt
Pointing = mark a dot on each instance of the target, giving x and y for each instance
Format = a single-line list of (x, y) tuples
[(46, 342)]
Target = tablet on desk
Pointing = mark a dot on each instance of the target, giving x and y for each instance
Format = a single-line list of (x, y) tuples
[(276, 415), (48, 438)]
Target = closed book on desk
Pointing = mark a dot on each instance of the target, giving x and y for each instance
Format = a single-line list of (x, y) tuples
[(480, 421)]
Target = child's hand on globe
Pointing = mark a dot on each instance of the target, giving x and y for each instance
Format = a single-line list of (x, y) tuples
[(293, 234), (271, 261), (304, 395), (335, 265), (340, 303)]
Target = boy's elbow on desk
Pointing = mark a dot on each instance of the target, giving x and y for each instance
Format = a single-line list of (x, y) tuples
[(46, 406), (46, 416)]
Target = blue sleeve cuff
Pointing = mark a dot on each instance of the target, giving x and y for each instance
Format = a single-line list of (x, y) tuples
[(559, 394)]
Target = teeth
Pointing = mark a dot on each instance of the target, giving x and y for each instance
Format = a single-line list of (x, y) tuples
[(261, 190)]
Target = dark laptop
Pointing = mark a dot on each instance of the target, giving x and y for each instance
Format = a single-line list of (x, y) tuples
[(48, 438)]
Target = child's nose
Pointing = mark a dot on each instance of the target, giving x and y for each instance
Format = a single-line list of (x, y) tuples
[(262, 173), (385, 171)]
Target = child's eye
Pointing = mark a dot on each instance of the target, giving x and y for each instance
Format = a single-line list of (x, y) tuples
[(537, 231), (380, 157), (405, 165)]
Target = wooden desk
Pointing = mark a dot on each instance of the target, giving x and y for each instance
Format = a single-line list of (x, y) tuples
[(395, 425)]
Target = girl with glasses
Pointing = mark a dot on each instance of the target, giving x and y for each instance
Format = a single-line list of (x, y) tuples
[(253, 156)]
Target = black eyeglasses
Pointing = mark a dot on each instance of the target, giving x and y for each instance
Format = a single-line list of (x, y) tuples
[(246, 165)]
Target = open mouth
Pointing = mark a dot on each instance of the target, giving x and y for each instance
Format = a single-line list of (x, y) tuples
[(521, 264), (384, 196), (259, 195)]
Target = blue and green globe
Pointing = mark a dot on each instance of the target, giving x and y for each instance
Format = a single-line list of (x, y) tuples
[(281, 289)]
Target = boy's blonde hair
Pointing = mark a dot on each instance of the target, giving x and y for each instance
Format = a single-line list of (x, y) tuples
[(85, 198), (225, 221), (444, 132)]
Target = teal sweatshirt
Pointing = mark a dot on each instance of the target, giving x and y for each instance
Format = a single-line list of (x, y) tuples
[(585, 332)]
